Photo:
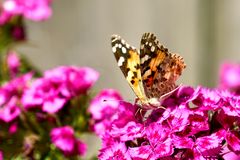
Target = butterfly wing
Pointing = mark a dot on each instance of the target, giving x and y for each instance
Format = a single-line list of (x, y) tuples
[(129, 62), (159, 68)]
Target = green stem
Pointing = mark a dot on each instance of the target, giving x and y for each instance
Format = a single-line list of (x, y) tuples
[(31, 122)]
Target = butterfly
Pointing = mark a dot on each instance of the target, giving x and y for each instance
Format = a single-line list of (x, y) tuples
[(152, 72)]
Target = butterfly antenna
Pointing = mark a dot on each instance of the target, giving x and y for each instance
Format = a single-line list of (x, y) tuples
[(112, 100)]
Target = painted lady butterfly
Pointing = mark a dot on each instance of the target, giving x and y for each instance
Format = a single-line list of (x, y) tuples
[(152, 73)]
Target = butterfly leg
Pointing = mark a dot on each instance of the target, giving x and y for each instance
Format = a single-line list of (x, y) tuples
[(140, 115), (139, 111)]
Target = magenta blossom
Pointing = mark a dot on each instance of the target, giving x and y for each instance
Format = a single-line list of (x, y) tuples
[(117, 151), (10, 94), (63, 138), (13, 63), (45, 94), (103, 108), (230, 155), (58, 86), (31, 9), (78, 80), (10, 110), (230, 77), (13, 128), (195, 124), (104, 104)]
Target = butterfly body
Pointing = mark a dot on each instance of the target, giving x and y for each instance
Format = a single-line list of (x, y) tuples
[(152, 72)]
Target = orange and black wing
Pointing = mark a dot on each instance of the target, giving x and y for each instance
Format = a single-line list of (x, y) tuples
[(159, 68), (128, 61)]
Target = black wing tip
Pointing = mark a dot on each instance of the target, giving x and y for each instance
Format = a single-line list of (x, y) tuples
[(115, 37), (148, 35), (145, 35)]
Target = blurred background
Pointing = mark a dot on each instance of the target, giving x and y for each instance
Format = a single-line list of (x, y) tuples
[(204, 32)]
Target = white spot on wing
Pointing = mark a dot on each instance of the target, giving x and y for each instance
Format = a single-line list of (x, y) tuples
[(120, 61), (145, 58), (152, 49), (147, 73), (124, 50), (129, 74), (119, 45), (122, 41), (114, 49)]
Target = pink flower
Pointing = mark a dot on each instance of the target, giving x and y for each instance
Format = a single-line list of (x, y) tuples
[(58, 86), (230, 77), (183, 95), (63, 138), (17, 85), (130, 131), (103, 108), (232, 156), (208, 99), (76, 79), (183, 142), (10, 110), (159, 139), (31, 9), (9, 97), (13, 63), (45, 94), (81, 148), (13, 128), (118, 151), (209, 146), (104, 104), (233, 141), (177, 119), (141, 152)]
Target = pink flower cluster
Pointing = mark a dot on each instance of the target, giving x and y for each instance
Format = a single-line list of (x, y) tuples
[(58, 86), (35, 10), (196, 124), (64, 139), (42, 97)]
